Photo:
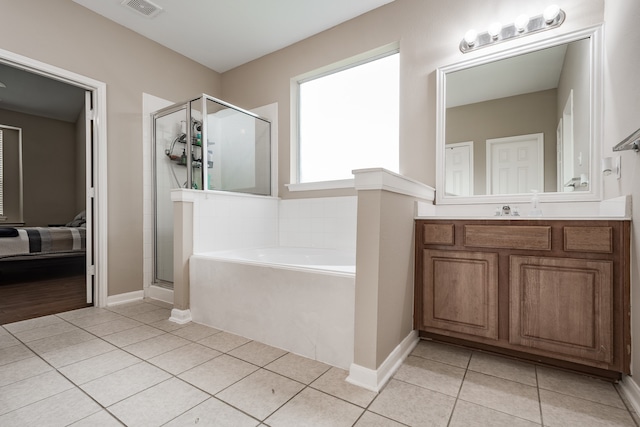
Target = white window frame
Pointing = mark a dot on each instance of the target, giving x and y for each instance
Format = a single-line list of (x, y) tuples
[(295, 82)]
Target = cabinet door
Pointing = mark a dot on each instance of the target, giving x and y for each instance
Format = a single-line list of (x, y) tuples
[(461, 292), (562, 305)]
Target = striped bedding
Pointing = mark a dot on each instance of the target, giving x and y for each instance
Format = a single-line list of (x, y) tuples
[(43, 241)]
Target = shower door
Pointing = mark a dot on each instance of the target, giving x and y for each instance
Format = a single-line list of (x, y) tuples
[(170, 172)]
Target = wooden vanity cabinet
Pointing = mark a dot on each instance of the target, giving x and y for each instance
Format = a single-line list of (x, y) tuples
[(548, 290)]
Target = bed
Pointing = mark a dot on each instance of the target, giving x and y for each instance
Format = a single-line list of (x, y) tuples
[(42, 245)]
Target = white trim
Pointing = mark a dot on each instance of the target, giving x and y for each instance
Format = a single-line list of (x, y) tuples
[(375, 380), (125, 298), (382, 179), (99, 90), (631, 392), (321, 185), (159, 293), (180, 316)]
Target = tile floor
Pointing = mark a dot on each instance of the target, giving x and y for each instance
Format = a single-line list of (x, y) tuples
[(128, 365)]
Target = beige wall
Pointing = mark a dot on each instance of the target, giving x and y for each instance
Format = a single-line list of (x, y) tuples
[(49, 165), (428, 31), (622, 117), (67, 35), (516, 115), (81, 162), (11, 184)]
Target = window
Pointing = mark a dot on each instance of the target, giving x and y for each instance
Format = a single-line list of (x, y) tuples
[(348, 120)]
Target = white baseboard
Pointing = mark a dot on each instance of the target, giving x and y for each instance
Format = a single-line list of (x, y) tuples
[(125, 298), (374, 380), (180, 316), (159, 293), (631, 391)]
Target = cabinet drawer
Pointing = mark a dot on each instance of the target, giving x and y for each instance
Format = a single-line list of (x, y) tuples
[(508, 236), (588, 239), (438, 234)]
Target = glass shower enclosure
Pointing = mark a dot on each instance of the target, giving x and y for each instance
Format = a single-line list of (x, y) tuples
[(203, 144)]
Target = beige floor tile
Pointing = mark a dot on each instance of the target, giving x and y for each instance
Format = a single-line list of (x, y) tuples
[(413, 405), (314, 408), (153, 315), (260, 393), (81, 312), (76, 353), (195, 332), (22, 369), (38, 322), (158, 404), (99, 419), (430, 374), (503, 367), (184, 358), (60, 341), (45, 331), (133, 308), (14, 353), (167, 325), (443, 353), (98, 318), (60, 409), (156, 346), (257, 353), (580, 386), (560, 410), (159, 303), (334, 382), (217, 374), (223, 341), (369, 419), (468, 414), (298, 368), (126, 382), (98, 366), (112, 327), (213, 413), (17, 395), (132, 336), (8, 340), (502, 395)]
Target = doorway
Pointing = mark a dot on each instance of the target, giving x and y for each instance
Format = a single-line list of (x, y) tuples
[(515, 164), (90, 158)]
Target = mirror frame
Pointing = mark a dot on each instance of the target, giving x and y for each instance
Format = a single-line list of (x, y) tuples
[(595, 125)]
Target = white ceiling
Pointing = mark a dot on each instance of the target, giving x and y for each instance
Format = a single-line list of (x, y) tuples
[(223, 34)]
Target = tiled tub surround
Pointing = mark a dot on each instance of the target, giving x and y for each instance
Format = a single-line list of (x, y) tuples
[(128, 365), (308, 310), (224, 221), (298, 309)]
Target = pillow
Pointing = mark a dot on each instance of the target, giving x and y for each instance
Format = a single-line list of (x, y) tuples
[(80, 220)]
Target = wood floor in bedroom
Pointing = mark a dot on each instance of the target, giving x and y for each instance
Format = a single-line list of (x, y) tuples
[(25, 294)]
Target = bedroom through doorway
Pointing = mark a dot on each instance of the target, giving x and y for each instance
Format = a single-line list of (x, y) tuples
[(48, 209)]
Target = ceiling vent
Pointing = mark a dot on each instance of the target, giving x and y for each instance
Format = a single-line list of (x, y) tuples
[(143, 7)]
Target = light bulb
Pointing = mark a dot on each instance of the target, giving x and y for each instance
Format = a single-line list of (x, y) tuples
[(551, 13), (521, 22), (470, 37), (494, 30)]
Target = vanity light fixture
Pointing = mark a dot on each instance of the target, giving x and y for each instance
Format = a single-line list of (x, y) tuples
[(552, 17)]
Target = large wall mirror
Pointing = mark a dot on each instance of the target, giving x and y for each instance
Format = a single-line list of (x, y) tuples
[(524, 119)]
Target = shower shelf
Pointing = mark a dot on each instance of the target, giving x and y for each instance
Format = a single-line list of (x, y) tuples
[(632, 142)]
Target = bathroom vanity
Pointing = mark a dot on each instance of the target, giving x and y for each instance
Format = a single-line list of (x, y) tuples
[(553, 291)]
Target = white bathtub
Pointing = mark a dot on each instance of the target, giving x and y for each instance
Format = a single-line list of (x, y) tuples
[(298, 299)]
